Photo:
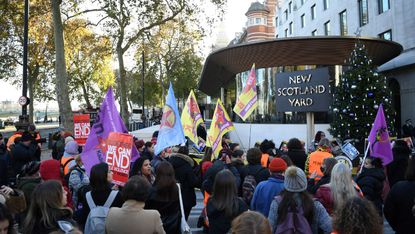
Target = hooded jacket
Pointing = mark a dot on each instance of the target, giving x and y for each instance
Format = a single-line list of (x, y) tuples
[(370, 182), (27, 185)]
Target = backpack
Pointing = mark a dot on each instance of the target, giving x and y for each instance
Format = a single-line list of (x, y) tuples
[(248, 187), (95, 223), (295, 222), (68, 175)]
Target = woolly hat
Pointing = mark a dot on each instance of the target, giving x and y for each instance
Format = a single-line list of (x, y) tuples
[(277, 165), (295, 180), (72, 148), (50, 170), (68, 139)]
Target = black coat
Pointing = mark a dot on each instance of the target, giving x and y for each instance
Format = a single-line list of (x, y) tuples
[(3, 172), (183, 170), (260, 173), (397, 168), (241, 168), (22, 154), (298, 157), (312, 186), (370, 182), (398, 205), (218, 222), (217, 166)]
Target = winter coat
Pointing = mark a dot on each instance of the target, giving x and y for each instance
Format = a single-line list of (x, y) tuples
[(324, 196), (313, 186), (77, 179), (169, 211), (217, 166), (260, 173), (133, 218), (397, 168), (398, 205), (218, 221), (241, 168), (65, 215), (265, 192), (22, 154), (183, 170), (370, 182), (27, 185), (321, 219), (298, 157)]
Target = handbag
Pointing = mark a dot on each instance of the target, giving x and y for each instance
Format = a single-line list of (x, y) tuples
[(184, 227), (16, 203)]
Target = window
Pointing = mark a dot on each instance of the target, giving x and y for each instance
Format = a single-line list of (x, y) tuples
[(291, 28), (257, 20), (286, 32), (302, 2), (386, 35), (290, 7), (313, 11), (302, 20), (343, 23), (327, 28), (325, 4), (276, 22), (363, 12), (384, 5), (314, 32), (251, 21), (286, 14)]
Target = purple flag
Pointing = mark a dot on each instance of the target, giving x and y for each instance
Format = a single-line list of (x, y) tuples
[(108, 120), (380, 146)]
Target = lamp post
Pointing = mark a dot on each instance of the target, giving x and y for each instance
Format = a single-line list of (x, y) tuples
[(142, 84)]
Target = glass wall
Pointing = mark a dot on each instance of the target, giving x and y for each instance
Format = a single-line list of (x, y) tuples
[(267, 111)]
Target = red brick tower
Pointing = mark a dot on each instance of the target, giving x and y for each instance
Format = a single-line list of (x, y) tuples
[(260, 24)]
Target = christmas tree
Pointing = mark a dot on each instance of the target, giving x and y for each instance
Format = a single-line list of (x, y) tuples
[(357, 97)]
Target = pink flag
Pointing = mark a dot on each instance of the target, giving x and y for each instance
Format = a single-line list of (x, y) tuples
[(380, 146)]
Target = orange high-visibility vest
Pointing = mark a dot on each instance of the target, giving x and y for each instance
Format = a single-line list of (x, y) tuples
[(264, 160), (315, 161), (65, 164)]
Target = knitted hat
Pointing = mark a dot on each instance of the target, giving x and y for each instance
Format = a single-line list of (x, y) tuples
[(295, 180), (71, 148), (277, 165), (68, 139), (50, 170)]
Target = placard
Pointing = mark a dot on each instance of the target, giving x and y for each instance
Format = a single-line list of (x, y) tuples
[(350, 151), (118, 156), (82, 128)]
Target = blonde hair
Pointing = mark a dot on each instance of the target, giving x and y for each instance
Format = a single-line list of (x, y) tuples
[(341, 185), (251, 222)]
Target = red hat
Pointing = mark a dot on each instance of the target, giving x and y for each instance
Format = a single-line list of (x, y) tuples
[(277, 165), (50, 170)]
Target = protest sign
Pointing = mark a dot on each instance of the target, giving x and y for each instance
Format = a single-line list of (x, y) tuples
[(82, 128), (118, 156)]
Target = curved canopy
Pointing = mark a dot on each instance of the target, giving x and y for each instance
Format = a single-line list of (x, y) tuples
[(222, 65)]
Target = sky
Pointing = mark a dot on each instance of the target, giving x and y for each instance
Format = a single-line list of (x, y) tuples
[(233, 22)]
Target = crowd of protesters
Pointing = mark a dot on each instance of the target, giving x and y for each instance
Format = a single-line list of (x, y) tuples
[(261, 190)]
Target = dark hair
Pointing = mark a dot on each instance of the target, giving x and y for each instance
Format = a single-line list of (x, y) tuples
[(251, 222), (155, 134), (148, 144), (5, 215), (224, 152), (138, 164), (289, 202), (165, 182), (232, 146), (317, 137), (376, 162), (287, 160), (137, 188), (30, 168), (207, 156), (224, 196), (329, 164), (357, 216), (237, 153), (266, 145), (183, 150), (253, 156), (271, 152), (410, 170), (401, 147), (98, 179), (294, 144)]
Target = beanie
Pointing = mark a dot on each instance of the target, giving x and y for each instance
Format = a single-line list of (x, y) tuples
[(71, 148), (277, 165), (295, 180), (68, 139), (50, 170)]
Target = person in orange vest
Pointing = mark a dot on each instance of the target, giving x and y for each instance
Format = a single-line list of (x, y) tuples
[(315, 159), (11, 140), (265, 146), (68, 159)]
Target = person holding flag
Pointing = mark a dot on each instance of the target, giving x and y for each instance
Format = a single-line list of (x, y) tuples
[(247, 100)]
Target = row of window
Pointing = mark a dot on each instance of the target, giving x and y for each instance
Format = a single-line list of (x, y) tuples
[(256, 21)]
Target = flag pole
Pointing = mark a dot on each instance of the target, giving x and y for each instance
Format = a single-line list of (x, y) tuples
[(364, 158), (250, 128)]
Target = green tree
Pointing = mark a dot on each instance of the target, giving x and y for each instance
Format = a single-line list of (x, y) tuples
[(357, 98)]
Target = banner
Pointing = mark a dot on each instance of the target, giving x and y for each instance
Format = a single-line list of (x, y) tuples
[(82, 128), (191, 118), (380, 145), (221, 124), (171, 130), (108, 120), (247, 100), (118, 156)]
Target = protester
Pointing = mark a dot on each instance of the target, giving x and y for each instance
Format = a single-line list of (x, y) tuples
[(237, 161), (326, 168), (201, 131), (51, 170), (315, 159), (251, 222), (254, 167), (267, 190), (371, 181), (142, 167), (224, 205), (11, 143), (148, 150), (29, 179), (206, 161), (295, 197), (132, 217), (341, 187), (6, 221), (234, 146), (287, 160), (265, 146), (161, 157), (100, 182), (183, 165), (397, 168), (68, 159), (296, 153), (139, 144), (226, 140), (357, 216), (400, 202), (3, 147), (47, 209), (164, 197), (23, 152), (314, 144), (77, 179), (154, 137)]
